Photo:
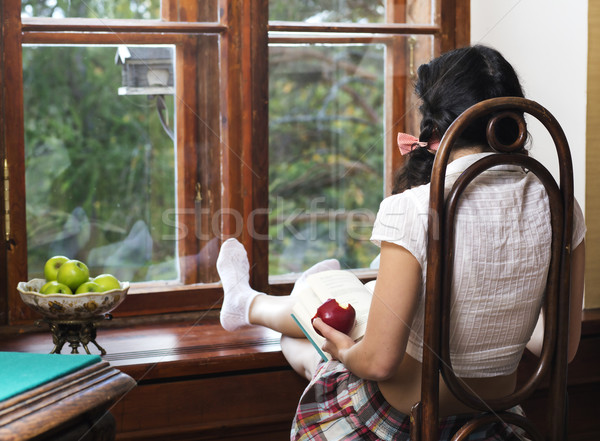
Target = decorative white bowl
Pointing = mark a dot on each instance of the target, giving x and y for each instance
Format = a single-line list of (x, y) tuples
[(77, 307)]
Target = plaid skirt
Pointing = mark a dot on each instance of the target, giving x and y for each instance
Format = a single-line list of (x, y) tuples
[(338, 405)]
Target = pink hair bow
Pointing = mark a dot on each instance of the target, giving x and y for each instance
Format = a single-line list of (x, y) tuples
[(407, 143)]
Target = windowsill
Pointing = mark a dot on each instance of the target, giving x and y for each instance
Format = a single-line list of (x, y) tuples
[(183, 344), (183, 348), (187, 347)]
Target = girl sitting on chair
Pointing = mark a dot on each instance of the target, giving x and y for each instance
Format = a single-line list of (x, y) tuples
[(366, 392)]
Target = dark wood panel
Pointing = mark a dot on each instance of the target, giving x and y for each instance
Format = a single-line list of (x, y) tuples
[(102, 38), (585, 368), (3, 230), (267, 431), (173, 299), (208, 405), (395, 28), (257, 202), (115, 25), (584, 409), (12, 143)]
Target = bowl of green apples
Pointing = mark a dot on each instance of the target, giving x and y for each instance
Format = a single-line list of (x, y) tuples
[(67, 292)]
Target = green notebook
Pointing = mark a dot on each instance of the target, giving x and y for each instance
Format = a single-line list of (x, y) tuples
[(21, 371)]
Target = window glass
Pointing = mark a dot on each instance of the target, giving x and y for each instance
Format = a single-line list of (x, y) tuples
[(419, 50), (352, 11), (320, 11), (325, 153), (139, 9), (100, 163)]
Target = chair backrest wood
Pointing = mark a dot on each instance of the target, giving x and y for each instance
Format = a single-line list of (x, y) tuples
[(443, 211)]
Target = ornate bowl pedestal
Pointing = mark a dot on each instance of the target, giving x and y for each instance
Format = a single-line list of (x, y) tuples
[(75, 333)]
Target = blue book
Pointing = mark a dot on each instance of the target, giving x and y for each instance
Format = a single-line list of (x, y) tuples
[(22, 371)]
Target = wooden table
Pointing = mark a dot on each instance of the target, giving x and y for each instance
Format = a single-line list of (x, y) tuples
[(73, 407)]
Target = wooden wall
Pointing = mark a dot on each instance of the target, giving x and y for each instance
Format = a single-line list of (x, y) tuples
[(592, 185)]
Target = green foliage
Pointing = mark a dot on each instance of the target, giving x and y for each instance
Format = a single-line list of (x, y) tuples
[(142, 9), (99, 166), (326, 153), (96, 162), (350, 11), (325, 140)]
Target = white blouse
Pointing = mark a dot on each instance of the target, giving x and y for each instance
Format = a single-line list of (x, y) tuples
[(500, 265)]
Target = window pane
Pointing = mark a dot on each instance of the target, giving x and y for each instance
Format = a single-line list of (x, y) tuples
[(420, 50), (325, 153), (139, 9), (100, 167), (351, 11)]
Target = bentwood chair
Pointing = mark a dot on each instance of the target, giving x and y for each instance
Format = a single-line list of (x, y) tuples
[(552, 363)]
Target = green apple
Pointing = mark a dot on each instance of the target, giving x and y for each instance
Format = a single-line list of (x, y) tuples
[(73, 273), (52, 265), (107, 282), (88, 287), (54, 287)]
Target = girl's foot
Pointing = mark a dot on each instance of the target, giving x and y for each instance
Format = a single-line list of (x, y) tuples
[(234, 270)]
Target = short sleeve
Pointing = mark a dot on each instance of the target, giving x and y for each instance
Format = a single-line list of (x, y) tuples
[(402, 220), (579, 228)]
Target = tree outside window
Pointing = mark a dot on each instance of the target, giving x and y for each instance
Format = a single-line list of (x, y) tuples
[(146, 185)]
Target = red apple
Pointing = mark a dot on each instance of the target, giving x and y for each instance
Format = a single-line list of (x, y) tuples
[(340, 317)]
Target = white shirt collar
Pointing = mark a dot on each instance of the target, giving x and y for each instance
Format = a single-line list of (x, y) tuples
[(459, 165)]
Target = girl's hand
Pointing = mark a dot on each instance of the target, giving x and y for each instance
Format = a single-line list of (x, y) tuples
[(337, 343)]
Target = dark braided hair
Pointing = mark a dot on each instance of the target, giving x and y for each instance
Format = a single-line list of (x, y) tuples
[(415, 171), (451, 83), (447, 86)]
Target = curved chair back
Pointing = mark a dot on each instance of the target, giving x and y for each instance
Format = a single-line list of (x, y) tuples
[(443, 211)]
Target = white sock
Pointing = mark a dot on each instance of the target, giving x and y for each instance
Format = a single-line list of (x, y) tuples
[(325, 265), (234, 270)]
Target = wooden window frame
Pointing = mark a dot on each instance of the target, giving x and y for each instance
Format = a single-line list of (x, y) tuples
[(234, 176)]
